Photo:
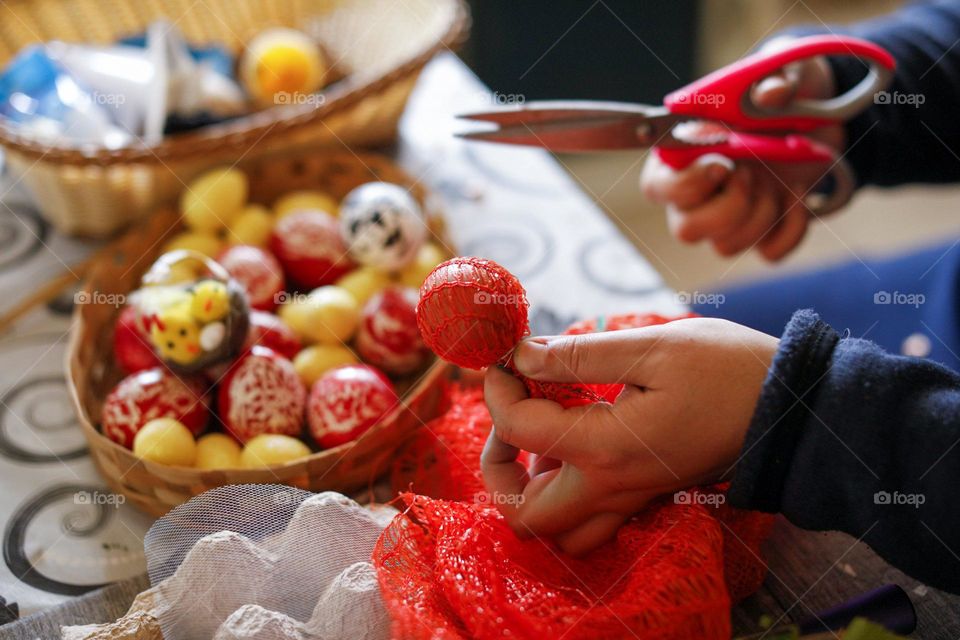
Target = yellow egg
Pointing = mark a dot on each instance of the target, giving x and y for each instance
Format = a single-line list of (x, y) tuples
[(317, 359), (217, 451), (328, 314), (305, 200), (207, 244), (428, 257), (166, 441), (213, 200), (364, 282), (269, 449), (280, 65), (252, 226)]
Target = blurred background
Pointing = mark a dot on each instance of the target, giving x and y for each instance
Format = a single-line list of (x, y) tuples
[(638, 51)]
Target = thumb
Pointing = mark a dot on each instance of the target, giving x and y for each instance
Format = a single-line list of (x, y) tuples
[(778, 90), (611, 357)]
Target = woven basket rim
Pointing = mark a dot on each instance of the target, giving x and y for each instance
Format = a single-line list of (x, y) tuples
[(259, 126)]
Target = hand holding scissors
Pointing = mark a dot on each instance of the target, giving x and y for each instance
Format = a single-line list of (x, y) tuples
[(714, 115)]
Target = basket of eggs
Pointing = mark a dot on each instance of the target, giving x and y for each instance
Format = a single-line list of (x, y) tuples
[(262, 331), (315, 73)]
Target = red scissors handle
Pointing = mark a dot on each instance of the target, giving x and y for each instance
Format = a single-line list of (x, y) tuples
[(725, 94), (747, 146)]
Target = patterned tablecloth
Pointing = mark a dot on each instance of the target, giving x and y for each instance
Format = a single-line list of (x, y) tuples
[(63, 534)]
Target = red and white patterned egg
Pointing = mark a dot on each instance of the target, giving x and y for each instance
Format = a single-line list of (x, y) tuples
[(150, 394), (388, 337), (257, 271), (309, 246), (261, 393), (347, 401)]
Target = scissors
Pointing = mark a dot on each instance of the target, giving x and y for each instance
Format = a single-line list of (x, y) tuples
[(715, 114)]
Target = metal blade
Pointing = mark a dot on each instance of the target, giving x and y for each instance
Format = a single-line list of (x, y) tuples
[(576, 125)]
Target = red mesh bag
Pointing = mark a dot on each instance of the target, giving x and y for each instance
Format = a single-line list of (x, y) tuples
[(450, 567)]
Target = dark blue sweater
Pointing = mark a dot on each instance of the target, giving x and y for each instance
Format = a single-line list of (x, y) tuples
[(846, 436)]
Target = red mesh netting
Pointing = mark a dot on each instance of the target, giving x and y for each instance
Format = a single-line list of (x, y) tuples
[(450, 567)]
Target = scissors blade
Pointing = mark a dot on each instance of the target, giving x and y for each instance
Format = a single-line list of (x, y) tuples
[(575, 125)]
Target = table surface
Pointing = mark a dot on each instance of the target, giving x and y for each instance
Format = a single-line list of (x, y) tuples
[(516, 206)]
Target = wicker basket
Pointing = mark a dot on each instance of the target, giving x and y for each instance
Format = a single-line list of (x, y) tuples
[(380, 46), (91, 371)]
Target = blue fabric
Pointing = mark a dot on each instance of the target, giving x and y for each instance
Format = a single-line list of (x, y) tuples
[(848, 437), (915, 135), (884, 301)]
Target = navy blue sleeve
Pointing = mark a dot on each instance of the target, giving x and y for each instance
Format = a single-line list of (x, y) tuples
[(848, 437), (914, 137)]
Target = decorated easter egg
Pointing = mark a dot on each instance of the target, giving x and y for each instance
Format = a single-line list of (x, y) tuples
[(327, 314), (198, 325), (382, 225), (261, 393), (154, 393), (347, 401), (166, 441), (268, 330), (271, 449), (309, 246), (257, 272), (217, 451), (388, 336), (317, 359), (131, 342), (472, 312)]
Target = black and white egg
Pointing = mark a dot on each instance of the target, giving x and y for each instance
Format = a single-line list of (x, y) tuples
[(382, 225)]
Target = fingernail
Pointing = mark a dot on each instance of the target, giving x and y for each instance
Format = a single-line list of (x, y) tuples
[(717, 172), (530, 357)]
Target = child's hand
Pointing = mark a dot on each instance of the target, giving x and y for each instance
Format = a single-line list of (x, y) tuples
[(751, 204), (691, 387)]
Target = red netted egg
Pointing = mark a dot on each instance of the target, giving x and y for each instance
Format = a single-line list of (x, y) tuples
[(261, 393), (257, 272), (150, 394), (388, 337), (472, 312), (347, 401), (309, 246), (268, 330), (132, 348)]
